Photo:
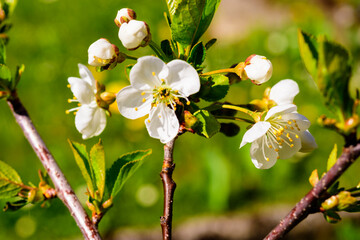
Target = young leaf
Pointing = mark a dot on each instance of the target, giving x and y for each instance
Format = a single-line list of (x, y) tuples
[(5, 77), (10, 181), (97, 157), (2, 52), (208, 125), (82, 160), (210, 43), (334, 72), (332, 158), (214, 88), (166, 47), (197, 55), (308, 52), (122, 169)]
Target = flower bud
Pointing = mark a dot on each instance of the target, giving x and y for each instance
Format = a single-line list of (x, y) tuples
[(108, 203), (258, 69), (124, 15), (102, 53), (134, 34), (345, 200), (108, 97), (330, 203)]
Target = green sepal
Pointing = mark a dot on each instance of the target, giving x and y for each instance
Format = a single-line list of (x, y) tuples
[(122, 169), (332, 217), (5, 78), (97, 157), (2, 52), (197, 55), (82, 160), (332, 158), (207, 125), (213, 88), (10, 181)]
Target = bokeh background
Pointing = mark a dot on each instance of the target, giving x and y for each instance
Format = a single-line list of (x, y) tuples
[(218, 186)]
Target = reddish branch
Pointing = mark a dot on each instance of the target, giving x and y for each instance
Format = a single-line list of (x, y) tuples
[(169, 188), (308, 204), (63, 188)]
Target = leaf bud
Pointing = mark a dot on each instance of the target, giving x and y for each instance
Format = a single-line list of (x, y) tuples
[(134, 34), (189, 119), (330, 203), (345, 200), (108, 97), (90, 206), (124, 15), (108, 203)]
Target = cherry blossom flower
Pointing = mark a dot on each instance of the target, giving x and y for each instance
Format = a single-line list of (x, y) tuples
[(280, 135), (258, 69), (155, 88), (124, 15), (101, 53), (90, 119), (134, 34)]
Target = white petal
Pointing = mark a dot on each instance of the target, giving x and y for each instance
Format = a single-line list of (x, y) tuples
[(132, 34), (262, 156), (81, 90), (141, 75), (258, 130), (90, 121), (87, 76), (183, 77), (307, 142), (163, 124), (130, 102), (302, 122), (259, 69), (288, 149), (101, 49), (282, 109), (284, 92)]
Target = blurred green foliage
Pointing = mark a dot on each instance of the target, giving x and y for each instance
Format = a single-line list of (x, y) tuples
[(50, 37)]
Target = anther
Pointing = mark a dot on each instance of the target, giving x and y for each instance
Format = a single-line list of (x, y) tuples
[(148, 120), (79, 104), (276, 149), (69, 100), (136, 109), (267, 159), (188, 103), (270, 146), (289, 122), (143, 93), (297, 136), (143, 100), (75, 113), (279, 117), (291, 145), (67, 111), (69, 86), (278, 157), (153, 73), (159, 116)]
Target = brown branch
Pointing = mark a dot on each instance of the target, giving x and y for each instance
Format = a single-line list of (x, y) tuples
[(169, 188), (308, 204), (63, 188)]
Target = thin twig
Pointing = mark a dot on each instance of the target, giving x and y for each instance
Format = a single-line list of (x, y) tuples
[(63, 188), (307, 204), (169, 188)]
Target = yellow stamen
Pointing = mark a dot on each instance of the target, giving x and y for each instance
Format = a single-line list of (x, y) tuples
[(270, 146), (276, 149), (286, 127), (79, 104), (69, 86), (67, 111), (136, 109), (74, 98), (69, 100), (143, 100), (188, 103), (75, 113), (278, 157), (296, 136), (153, 73), (289, 122), (291, 145), (159, 116), (163, 80), (267, 159), (148, 120), (279, 117), (143, 93)]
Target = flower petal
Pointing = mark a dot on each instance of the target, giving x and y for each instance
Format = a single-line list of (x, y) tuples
[(278, 110), (162, 123), (81, 90), (289, 148), (262, 156), (90, 121), (258, 130), (141, 75), (130, 102), (87, 76), (284, 92), (307, 142), (302, 122), (183, 77)]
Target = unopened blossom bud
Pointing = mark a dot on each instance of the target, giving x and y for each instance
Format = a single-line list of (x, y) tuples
[(258, 69), (102, 53), (124, 15), (330, 203), (345, 200), (108, 97), (108, 203), (134, 34)]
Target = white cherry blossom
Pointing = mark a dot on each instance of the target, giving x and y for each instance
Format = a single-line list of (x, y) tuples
[(258, 69), (124, 15), (155, 88), (281, 134), (133, 33), (101, 53), (284, 93), (90, 119)]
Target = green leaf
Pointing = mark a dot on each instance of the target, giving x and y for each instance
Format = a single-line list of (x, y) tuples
[(19, 71), (5, 77), (332, 158), (122, 169), (214, 88), (334, 72), (190, 19), (16, 205), (210, 43), (97, 157), (332, 217), (2, 52), (197, 55), (208, 125), (166, 47), (229, 129), (308, 52), (82, 160), (10, 181)]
